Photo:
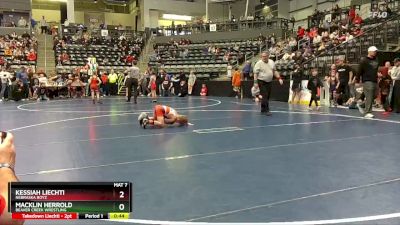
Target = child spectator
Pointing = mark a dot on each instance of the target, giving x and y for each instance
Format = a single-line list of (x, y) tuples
[(95, 82), (333, 84), (236, 82), (191, 82), (183, 89), (42, 93), (153, 87), (297, 77), (104, 84), (384, 85), (313, 84), (255, 92), (204, 90), (166, 86)]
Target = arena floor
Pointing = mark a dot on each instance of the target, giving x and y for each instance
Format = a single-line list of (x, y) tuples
[(232, 164)]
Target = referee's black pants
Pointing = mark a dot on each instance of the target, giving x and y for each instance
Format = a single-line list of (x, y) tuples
[(132, 83), (265, 92)]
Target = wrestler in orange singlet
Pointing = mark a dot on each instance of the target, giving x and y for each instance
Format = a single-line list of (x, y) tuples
[(163, 116)]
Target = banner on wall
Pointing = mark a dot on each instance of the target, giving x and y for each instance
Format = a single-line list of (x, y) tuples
[(104, 33), (328, 18), (213, 27)]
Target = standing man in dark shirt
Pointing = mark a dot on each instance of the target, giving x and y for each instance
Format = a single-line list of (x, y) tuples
[(132, 80), (345, 76), (368, 74)]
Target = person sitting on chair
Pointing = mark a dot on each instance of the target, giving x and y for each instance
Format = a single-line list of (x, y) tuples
[(163, 116)]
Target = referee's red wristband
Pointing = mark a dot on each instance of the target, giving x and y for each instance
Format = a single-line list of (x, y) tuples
[(2, 204)]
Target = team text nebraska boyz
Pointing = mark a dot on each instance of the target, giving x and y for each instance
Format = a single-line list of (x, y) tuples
[(37, 194), (40, 206)]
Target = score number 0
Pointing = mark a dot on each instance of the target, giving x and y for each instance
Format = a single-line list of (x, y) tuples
[(122, 196)]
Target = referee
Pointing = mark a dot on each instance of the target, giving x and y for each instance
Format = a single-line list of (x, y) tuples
[(132, 80), (368, 75), (264, 72)]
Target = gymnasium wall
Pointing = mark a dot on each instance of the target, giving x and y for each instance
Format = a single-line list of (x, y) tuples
[(110, 18), (300, 9), (196, 8), (50, 15), (120, 18), (233, 35), (16, 5)]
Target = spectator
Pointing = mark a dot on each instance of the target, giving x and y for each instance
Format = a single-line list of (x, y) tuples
[(349, 37), (345, 78), (153, 87), (236, 82), (129, 59), (5, 78), (166, 87), (42, 91), (255, 92), (352, 14), (31, 56), (43, 25), (333, 84), (293, 44), (293, 21), (182, 76), (2, 61), (313, 84), (23, 77), (183, 88), (104, 87), (368, 71), (191, 82), (144, 82), (395, 75), (204, 90), (112, 80), (384, 88), (22, 22), (17, 91), (229, 70), (357, 20), (247, 71), (175, 82), (297, 78), (264, 71), (300, 33)]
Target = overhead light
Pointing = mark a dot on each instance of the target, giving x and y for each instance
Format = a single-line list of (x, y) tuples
[(58, 0), (176, 17)]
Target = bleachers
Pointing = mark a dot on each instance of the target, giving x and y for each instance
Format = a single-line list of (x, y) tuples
[(374, 34), (205, 64), (109, 53), (7, 52)]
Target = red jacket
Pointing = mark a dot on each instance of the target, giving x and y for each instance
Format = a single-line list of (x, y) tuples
[(130, 59), (31, 56), (236, 81), (104, 79), (352, 13), (357, 20), (300, 32), (204, 91)]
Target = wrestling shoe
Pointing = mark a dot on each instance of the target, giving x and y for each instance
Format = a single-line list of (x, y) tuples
[(145, 121), (142, 116)]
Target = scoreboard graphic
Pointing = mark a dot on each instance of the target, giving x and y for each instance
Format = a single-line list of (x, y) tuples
[(70, 200)]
